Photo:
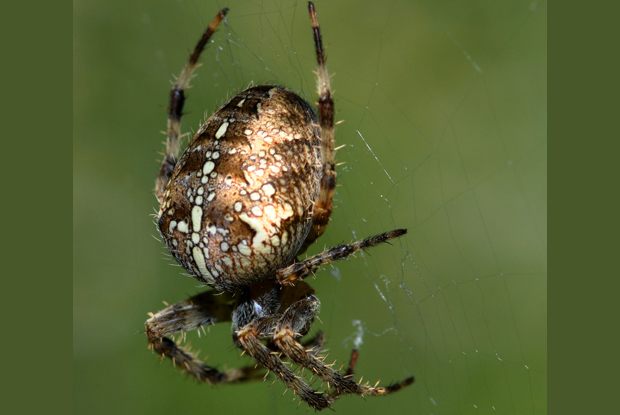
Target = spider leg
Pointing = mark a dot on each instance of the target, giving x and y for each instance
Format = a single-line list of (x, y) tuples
[(352, 362), (191, 314), (249, 337), (175, 109), (388, 389), (314, 344), (368, 390), (294, 319), (302, 269), (322, 208)]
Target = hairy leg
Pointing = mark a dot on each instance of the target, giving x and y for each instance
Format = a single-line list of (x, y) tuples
[(322, 208), (296, 318), (314, 344), (249, 336), (194, 313), (175, 110), (302, 269)]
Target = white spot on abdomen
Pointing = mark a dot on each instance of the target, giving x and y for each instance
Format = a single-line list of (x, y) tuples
[(288, 211), (260, 242), (244, 249), (221, 131), (173, 224), (269, 189), (202, 267), (182, 226), (208, 167), (196, 218), (195, 238)]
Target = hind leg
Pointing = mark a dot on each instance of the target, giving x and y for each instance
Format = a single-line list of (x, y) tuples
[(193, 314)]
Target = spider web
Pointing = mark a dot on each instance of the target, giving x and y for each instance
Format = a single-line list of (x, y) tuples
[(444, 133)]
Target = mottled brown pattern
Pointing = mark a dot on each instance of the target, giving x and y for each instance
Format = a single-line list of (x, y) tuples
[(271, 139), (249, 194)]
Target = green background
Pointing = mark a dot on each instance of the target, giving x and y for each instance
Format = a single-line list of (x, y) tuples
[(450, 99)]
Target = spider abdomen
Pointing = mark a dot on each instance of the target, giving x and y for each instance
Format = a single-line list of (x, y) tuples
[(239, 201)]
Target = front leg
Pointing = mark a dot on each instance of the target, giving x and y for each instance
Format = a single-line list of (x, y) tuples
[(194, 313), (175, 110), (301, 269), (322, 209), (249, 339)]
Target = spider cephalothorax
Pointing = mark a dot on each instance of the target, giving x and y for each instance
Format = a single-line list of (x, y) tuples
[(250, 193)]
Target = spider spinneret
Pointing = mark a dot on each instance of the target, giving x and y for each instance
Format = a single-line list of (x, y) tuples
[(250, 193)]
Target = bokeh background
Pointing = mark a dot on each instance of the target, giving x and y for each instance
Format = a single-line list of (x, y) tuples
[(445, 108)]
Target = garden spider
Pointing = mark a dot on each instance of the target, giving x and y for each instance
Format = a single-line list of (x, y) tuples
[(250, 193)]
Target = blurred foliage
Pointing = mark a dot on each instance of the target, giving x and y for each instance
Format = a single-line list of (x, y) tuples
[(445, 130)]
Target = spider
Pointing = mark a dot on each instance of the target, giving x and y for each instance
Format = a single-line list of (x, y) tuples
[(250, 193)]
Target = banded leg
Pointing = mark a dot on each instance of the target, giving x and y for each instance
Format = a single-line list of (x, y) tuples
[(175, 109), (191, 314), (294, 320), (302, 269), (249, 337), (373, 390), (323, 206)]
